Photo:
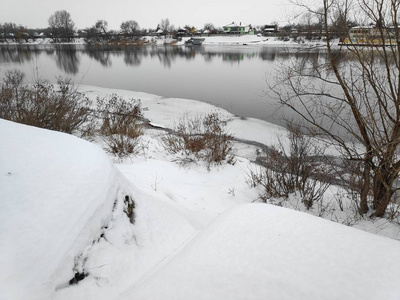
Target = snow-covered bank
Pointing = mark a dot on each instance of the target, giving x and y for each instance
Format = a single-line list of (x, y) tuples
[(42, 41), (253, 40), (57, 192), (197, 234), (258, 251), (260, 40), (166, 112)]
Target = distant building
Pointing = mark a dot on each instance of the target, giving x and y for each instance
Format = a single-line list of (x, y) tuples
[(270, 29), (372, 35), (156, 32), (234, 28), (182, 32), (294, 33)]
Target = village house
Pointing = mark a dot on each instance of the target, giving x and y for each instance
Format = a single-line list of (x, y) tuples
[(234, 28), (270, 29), (182, 32)]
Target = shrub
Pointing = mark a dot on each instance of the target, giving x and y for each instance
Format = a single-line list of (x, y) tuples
[(59, 108), (203, 137), (292, 169), (62, 108), (121, 124)]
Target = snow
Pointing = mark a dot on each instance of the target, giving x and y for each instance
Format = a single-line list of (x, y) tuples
[(166, 112), (56, 193), (258, 251), (196, 234), (245, 39)]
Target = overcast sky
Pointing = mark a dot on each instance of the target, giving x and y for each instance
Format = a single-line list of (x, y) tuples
[(148, 13)]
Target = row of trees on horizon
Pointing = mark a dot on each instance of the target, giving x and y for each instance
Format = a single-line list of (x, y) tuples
[(61, 25)]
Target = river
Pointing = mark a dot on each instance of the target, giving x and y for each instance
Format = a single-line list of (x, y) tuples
[(231, 77)]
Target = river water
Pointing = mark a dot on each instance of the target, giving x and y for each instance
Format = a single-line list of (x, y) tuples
[(231, 77)]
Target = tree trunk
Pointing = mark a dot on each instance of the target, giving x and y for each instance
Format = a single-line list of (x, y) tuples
[(383, 203), (382, 193), (363, 209)]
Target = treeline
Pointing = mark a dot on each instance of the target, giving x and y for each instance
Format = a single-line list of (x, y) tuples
[(62, 28)]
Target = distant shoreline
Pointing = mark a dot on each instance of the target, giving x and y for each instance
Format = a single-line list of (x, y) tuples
[(245, 40)]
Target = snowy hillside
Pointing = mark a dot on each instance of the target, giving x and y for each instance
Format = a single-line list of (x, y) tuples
[(57, 192), (196, 233), (259, 251)]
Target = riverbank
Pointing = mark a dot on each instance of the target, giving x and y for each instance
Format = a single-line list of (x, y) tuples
[(208, 40), (196, 232)]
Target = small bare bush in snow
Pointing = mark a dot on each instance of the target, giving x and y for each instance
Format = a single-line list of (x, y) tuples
[(292, 169), (57, 107), (203, 138), (121, 124)]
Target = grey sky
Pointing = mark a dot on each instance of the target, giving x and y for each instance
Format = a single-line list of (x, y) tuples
[(148, 13)]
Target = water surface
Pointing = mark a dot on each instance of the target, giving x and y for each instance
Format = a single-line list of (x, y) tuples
[(231, 77)]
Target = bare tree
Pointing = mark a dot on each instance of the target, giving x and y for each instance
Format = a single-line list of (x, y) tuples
[(352, 97), (210, 27), (61, 25), (130, 27), (340, 20), (97, 32), (101, 26), (165, 26), (8, 28), (309, 25)]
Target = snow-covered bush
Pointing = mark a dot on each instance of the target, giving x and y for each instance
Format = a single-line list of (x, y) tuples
[(120, 124), (57, 107), (203, 137)]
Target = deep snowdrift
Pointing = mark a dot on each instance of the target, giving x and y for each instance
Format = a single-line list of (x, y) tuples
[(258, 251), (57, 191)]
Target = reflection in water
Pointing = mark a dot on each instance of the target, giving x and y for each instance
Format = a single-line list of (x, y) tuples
[(232, 77), (132, 58), (67, 59), (68, 56), (98, 54), (233, 57), (165, 55), (16, 54)]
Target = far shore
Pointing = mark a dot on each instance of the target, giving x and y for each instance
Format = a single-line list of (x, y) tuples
[(245, 40)]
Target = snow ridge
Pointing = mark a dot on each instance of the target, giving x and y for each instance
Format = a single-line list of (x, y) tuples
[(57, 192)]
